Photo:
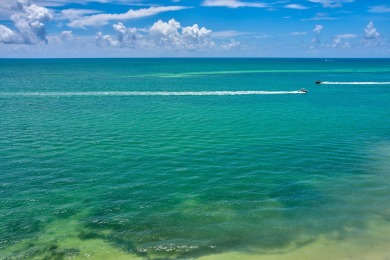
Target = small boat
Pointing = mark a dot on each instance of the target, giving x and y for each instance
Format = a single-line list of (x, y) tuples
[(318, 82), (302, 90)]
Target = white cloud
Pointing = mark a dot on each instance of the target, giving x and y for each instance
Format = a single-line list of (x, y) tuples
[(296, 6), (126, 37), (29, 22), (56, 3), (161, 35), (379, 9), (317, 30), (105, 40), (7, 4), (298, 33), (74, 14), (65, 35), (320, 17), (8, 36), (125, 34), (331, 3), (194, 36), (233, 3), (371, 37), (229, 34), (347, 36), (230, 45), (339, 41), (370, 32), (167, 36), (103, 19), (5, 9)]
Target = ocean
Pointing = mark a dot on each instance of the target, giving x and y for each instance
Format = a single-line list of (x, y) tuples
[(194, 158)]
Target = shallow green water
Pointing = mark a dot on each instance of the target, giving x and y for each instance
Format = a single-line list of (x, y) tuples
[(189, 175)]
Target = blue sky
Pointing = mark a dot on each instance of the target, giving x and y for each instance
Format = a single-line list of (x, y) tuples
[(204, 28)]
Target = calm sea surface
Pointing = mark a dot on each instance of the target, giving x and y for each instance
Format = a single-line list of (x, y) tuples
[(175, 158)]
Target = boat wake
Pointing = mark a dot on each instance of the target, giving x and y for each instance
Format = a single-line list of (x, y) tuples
[(353, 83), (147, 93)]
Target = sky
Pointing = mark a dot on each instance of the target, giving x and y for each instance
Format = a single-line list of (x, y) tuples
[(202, 28)]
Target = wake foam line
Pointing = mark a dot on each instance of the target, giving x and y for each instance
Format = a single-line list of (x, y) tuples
[(355, 83), (144, 93)]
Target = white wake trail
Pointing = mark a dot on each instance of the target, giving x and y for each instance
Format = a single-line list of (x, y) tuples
[(147, 93), (354, 83)]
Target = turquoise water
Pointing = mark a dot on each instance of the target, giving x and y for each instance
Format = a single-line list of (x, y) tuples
[(99, 158)]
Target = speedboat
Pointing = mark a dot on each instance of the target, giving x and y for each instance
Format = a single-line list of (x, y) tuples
[(302, 90), (318, 82)]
